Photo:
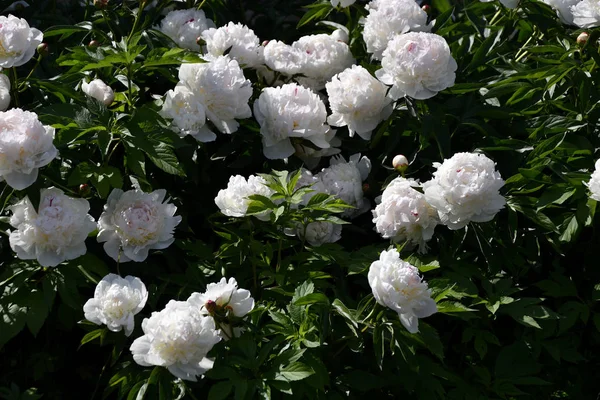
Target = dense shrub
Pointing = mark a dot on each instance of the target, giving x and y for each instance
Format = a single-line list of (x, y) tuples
[(302, 281)]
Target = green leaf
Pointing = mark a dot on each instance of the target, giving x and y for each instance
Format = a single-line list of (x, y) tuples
[(37, 311), (313, 298), (220, 390), (295, 371)]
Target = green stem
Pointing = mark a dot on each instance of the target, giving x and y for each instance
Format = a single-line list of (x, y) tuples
[(201, 4), (14, 86), (136, 21), (37, 62), (66, 189)]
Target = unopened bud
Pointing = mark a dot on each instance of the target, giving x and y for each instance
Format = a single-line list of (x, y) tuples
[(400, 163), (100, 4), (265, 42), (42, 49), (211, 306), (366, 187), (583, 38), (84, 189), (200, 41), (93, 43), (341, 36), (426, 8)]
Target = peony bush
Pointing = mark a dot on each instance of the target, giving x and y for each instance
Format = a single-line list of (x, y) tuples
[(218, 199)]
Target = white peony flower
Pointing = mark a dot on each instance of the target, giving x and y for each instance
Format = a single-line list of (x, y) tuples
[(465, 188), (290, 111), (234, 201), (341, 35), (344, 180), (221, 87), (243, 45), (563, 9), (388, 18), (184, 27), (134, 222), (4, 92), (178, 338), (320, 232), (342, 3), (403, 214), (358, 100), (53, 234), (186, 110), (18, 41), (586, 14), (396, 284), (116, 300), (99, 90), (594, 183), (506, 3), (418, 65), (283, 58), (25, 146), (325, 57)]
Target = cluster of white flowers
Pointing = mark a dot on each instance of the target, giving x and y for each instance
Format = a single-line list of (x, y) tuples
[(317, 57), (291, 111), (594, 182), (358, 100), (4, 92), (99, 90), (417, 64), (25, 146), (465, 188), (233, 201), (241, 41), (216, 90), (18, 41), (388, 18), (134, 222), (184, 27), (403, 214), (586, 14), (116, 300), (396, 284), (53, 234)]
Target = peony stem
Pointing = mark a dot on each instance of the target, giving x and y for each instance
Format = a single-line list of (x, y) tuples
[(14, 86)]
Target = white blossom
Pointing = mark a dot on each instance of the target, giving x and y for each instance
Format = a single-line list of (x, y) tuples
[(134, 222), (99, 90), (400, 162), (388, 18), (417, 64), (284, 58), (243, 45), (186, 110), (341, 35), (594, 183), (221, 87), (563, 9), (178, 338), (18, 41), (357, 100), (586, 14), (345, 181), (397, 284), (320, 232), (184, 27), (4, 92), (233, 201), (25, 146), (342, 3), (56, 232), (291, 111), (403, 214), (465, 188), (116, 300)]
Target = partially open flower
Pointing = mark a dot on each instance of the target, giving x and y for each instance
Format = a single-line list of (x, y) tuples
[(99, 90), (184, 27), (18, 41), (233, 201)]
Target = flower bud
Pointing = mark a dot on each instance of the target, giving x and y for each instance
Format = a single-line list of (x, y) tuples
[(426, 8), (100, 4), (366, 188), (265, 42), (200, 41), (93, 43), (400, 163), (340, 35), (84, 189), (42, 49), (583, 38), (211, 306)]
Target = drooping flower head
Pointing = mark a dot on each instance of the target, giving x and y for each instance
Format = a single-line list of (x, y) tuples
[(397, 284), (357, 100), (594, 183), (586, 14), (99, 90), (233, 201), (18, 41), (403, 214), (178, 338), (184, 27), (221, 87), (388, 18), (116, 300), (465, 188), (25, 146), (56, 232), (291, 111), (417, 64), (134, 222), (344, 179), (243, 45)]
